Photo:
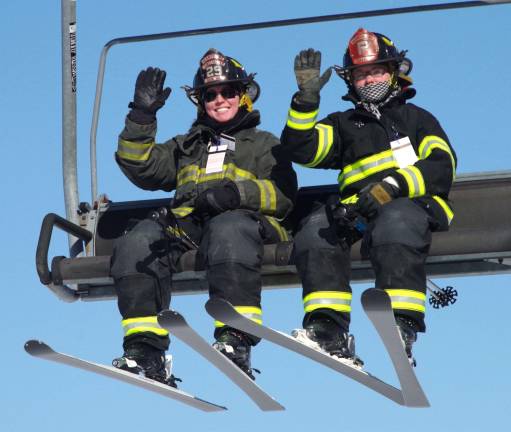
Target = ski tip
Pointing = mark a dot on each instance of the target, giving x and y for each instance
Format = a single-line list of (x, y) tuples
[(169, 316), (216, 303), (374, 294), (34, 346)]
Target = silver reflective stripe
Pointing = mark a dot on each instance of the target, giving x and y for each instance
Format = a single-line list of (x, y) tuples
[(404, 299), (302, 121), (266, 188), (327, 301), (414, 179), (134, 151), (253, 316), (366, 167), (147, 324)]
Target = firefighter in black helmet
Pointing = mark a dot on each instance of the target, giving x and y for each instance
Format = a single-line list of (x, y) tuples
[(232, 188), (396, 167)]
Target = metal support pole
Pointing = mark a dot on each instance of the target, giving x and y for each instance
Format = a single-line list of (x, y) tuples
[(69, 159)]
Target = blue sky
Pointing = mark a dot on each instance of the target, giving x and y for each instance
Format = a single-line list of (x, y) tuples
[(461, 64)]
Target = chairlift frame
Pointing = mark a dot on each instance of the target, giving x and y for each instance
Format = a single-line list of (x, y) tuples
[(68, 277)]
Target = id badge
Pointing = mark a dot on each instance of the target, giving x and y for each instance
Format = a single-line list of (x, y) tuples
[(403, 152), (216, 156)]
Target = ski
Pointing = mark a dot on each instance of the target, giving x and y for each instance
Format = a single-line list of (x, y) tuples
[(176, 324), (41, 350), (377, 306), (223, 311)]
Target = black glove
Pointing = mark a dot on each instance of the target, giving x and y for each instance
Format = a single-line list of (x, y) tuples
[(217, 200), (149, 96), (374, 196), (349, 226), (307, 72)]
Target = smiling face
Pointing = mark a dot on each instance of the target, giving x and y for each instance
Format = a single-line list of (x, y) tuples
[(221, 102)]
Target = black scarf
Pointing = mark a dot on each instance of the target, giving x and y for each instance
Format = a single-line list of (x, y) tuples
[(242, 120)]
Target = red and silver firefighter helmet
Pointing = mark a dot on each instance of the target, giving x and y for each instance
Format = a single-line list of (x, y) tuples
[(217, 69), (365, 48)]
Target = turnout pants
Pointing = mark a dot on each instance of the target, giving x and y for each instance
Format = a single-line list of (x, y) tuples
[(145, 257), (397, 242)]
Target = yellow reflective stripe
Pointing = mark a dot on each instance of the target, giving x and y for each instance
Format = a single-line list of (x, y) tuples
[(268, 195), (143, 324), (182, 211), (192, 173), (325, 141), (415, 181), (350, 200), (335, 300), (432, 142), (283, 235), (187, 174), (407, 299), (445, 207), (175, 231), (134, 151), (230, 171), (301, 121), (251, 312), (366, 167)]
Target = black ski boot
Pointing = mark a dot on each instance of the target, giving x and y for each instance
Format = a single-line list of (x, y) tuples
[(408, 332), (236, 347), (329, 337), (143, 359)]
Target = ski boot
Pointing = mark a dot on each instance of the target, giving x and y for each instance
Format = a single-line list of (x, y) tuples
[(326, 335), (145, 360), (236, 347), (408, 332)]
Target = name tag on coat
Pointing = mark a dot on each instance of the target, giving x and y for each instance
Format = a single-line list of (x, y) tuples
[(403, 152), (216, 153)]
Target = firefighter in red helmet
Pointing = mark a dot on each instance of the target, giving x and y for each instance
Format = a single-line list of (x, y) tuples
[(396, 167), (232, 188)]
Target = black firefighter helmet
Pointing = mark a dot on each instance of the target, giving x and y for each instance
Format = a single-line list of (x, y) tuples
[(366, 48), (217, 69)]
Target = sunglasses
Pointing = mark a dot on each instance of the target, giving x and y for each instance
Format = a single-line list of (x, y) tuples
[(226, 92), (376, 72)]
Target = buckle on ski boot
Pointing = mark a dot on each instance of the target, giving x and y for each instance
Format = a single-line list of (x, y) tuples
[(325, 335), (408, 333), (234, 345), (144, 360)]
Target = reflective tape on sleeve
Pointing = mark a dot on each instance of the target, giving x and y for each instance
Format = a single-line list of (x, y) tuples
[(336, 300), (301, 121), (432, 142), (268, 195), (134, 151), (445, 207), (325, 141), (414, 180), (188, 174)]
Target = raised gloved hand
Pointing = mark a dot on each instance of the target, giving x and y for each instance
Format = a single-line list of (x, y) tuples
[(149, 96), (307, 72), (217, 200), (374, 196)]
